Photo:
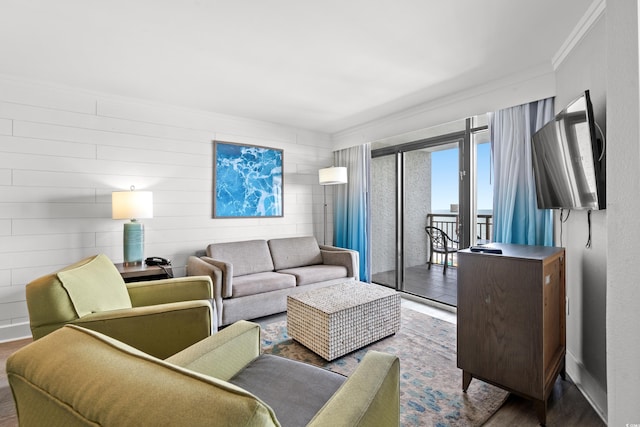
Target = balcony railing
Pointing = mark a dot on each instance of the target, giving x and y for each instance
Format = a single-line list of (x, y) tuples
[(450, 224)]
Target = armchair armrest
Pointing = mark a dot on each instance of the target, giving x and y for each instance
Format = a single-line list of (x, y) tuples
[(373, 393), (170, 290), (346, 257), (159, 330), (224, 354)]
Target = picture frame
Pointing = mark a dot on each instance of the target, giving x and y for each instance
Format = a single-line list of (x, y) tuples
[(248, 181)]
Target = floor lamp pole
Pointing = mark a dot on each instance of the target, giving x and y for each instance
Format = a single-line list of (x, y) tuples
[(330, 176), (324, 240)]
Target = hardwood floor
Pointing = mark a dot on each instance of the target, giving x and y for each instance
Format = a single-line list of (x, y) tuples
[(8, 416), (567, 406)]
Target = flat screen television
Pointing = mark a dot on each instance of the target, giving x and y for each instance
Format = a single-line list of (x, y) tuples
[(568, 160)]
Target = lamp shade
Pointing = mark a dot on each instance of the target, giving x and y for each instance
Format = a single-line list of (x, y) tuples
[(333, 175), (131, 204)]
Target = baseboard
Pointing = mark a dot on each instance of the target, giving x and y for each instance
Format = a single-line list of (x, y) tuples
[(427, 301), (14, 332), (588, 386)]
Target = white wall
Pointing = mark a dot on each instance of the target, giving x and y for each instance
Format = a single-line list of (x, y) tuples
[(585, 67), (623, 187), (62, 153)]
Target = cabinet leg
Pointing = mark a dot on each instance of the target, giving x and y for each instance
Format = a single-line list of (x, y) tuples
[(541, 411), (466, 380)]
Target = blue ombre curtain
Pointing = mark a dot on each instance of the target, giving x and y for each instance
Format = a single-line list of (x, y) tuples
[(352, 206), (516, 217)]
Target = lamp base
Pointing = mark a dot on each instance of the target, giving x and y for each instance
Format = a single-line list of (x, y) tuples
[(133, 240)]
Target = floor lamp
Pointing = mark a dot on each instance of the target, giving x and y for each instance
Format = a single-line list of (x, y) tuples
[(132, 205), (330, 176)]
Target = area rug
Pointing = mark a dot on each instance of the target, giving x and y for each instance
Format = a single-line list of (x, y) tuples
[(430, 382)]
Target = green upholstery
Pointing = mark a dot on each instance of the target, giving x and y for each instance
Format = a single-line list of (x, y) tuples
[(95, 286), (78, 377), (158, 317), (223, 354)]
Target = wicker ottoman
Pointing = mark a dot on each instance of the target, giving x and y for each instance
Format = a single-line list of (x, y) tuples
[(339, 319)]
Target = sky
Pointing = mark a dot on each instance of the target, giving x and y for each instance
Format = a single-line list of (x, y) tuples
[(444, 178)]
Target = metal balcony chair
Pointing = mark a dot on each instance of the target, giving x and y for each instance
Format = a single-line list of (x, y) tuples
[(441, 243)]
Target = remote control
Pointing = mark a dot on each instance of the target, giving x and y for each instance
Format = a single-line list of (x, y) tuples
[(486, 250)]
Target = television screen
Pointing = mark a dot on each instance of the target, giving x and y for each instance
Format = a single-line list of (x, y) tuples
[(567, 161)]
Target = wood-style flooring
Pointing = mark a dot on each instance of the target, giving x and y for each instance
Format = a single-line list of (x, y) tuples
[(8, 416)]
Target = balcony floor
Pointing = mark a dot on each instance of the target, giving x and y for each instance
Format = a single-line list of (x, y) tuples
[(420, 281)]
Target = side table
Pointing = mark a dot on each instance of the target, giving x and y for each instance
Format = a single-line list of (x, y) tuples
[(139, 273)]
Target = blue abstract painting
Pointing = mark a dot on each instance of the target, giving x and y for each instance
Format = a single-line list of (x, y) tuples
[(248, 181)]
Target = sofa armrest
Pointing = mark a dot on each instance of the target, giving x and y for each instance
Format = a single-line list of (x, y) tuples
[(196, 266), (224, 354), (346, 257), (221, 273), (170, 290), (159, 330), (373, 393)]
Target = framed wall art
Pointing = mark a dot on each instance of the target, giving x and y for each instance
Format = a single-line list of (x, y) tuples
[(247, 181)]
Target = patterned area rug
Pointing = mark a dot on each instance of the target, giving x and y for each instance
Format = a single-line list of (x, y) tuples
[(430, 382)]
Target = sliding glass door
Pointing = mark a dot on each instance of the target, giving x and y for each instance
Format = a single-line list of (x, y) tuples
[(434, 182)]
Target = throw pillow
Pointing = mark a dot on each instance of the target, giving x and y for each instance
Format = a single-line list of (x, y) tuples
[(95, 286)]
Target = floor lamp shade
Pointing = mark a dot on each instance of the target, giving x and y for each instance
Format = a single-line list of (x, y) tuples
[(333, 175), (330, 176), (132, 205)]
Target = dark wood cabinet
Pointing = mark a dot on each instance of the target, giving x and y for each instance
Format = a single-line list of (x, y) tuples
[(511, 319)]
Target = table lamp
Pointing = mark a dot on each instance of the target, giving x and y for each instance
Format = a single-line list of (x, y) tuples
[(330, 176), (132, 205)]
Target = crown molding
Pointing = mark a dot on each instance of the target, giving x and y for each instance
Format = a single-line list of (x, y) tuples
[(590, 17)]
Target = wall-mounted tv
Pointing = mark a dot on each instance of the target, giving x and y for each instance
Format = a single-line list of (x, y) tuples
[(568, 160)]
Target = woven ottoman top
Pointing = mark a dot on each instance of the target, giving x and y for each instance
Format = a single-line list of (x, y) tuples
[(342, 296)]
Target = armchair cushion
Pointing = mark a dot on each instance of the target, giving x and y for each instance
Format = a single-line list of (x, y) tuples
[(295, 252), (95, 286), (294, 390)]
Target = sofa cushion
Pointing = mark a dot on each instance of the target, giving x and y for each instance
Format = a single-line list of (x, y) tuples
[(95, 286), (259, 283), (316, 273), (249, 257), (295, 391), (294, 252)]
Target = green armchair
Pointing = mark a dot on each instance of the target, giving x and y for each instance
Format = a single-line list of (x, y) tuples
[(75, 376), (159, 317)]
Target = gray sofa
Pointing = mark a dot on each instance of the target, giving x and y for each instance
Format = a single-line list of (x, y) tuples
[(252, 278)]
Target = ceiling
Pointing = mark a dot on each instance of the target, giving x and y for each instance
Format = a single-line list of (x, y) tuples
[(324, 65)]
